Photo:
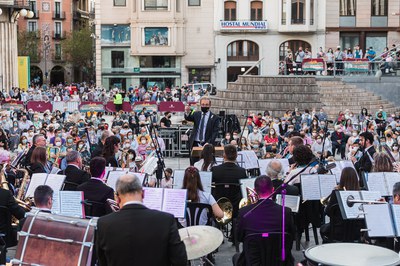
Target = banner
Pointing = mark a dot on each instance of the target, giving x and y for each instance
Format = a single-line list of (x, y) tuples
[(356, 65), (244, 25), (150, 106), (313, 64), (87, 106), (39, 106), (110, 107), (171, 107), (16, 105), (61, 106), (24, 72)]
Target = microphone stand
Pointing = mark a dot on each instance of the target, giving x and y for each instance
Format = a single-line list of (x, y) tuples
[(239, 142), (321, 164), (281, 188)]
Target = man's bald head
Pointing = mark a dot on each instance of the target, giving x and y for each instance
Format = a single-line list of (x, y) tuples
[(128, 184), (274, 169)]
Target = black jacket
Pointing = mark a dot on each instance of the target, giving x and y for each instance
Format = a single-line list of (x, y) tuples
[(212, 127), (98, 151), (75, 176), (364, 164), (97, 193), (37, 168), (140, 236)]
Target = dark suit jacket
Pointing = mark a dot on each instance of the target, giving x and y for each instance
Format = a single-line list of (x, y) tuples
[(98, 151), (97, 192), (228, 173), (364, 163), (7, 202), (212, 127), (140, 236), (112, 161), (74, 175)]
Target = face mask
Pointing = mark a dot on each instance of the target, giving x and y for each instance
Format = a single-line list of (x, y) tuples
[(130, 156), (255, 131), (129, 136), (272, 133), (117, 118), (383, 143), (143, 133), (395, 148), (36, 119), (355, 134), (319, 141), (205, 109), (315, 123), (235, 136), (381, 109), (353, 149), (58, 143), (24, 141), (339, 130), (255, 146), (15, 125), (80, 146), (228, 137), (290, 129), (69, 140), (127, 145), (143, 142)]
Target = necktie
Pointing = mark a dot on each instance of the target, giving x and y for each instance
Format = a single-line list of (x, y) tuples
[(201, 137)]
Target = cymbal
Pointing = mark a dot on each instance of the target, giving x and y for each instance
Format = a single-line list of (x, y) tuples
[(200, 240)]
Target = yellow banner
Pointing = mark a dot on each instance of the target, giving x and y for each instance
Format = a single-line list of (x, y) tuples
[(24, 70)]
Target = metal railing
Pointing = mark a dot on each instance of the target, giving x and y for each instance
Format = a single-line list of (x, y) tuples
[(59, 15)]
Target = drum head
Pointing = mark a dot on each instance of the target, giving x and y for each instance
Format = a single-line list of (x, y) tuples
[(350, 254)]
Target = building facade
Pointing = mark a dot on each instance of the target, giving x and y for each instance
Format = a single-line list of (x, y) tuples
[(372, 23), (154, 42)]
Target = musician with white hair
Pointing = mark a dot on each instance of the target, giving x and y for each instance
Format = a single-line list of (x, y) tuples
[(275, 171)]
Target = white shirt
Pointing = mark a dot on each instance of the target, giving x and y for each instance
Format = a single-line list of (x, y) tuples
[(206, 117), (133, 202)]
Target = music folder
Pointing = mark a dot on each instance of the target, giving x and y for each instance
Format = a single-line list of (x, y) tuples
[(68, 203), (353, 210), (382, 220), (168, 200), (315, 187), (114, 175), (51, 180), (382, 182)]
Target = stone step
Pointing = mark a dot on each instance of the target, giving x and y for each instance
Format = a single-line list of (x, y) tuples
[(275, 80), (365, 95), (342, 90), (263, 105), (268, 96), (352, 100), (241, 87)]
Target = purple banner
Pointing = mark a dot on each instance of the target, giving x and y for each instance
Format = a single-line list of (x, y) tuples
[(39, 106)]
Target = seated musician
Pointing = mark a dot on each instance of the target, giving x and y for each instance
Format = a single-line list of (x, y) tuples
[(266, 218), (95, 191), (74, 173), (195, 193), (8, 208), (302, 156), (43, 198), (339, 229), (275, 171)]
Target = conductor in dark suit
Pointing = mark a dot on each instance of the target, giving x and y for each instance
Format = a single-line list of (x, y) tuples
[(95, 191), (206, 125), (74, 173), (365, 162), (8, 207), (137, 235), (266, 218)]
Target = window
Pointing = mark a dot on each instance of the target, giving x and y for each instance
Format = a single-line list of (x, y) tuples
[(33, 6), (311, 12), (57, 8), (119, 2), (32, 26), (379, 8), (58, 28), (349, 40), (157, 62), (347, 7), (242, 51), (256, 11), (292, 46), (230, 10), (57, 49), (284, 12), (117, 59), (199, 75), (194, 2), (298, 11), (155, 4)]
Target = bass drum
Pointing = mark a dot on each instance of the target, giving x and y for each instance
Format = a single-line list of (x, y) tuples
[(350, 254), (48, 239)]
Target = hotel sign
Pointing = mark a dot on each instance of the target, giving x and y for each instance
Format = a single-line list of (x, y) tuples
[(244, 25)]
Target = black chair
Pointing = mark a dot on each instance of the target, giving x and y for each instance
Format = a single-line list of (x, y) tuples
[(266, 249), (92, 208), (69, 186), (194, 211), (5, 221)]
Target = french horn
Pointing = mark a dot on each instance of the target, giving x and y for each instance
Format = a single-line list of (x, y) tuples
[(226, 206)]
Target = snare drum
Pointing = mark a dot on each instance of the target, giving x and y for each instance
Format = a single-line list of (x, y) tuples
[(48, 239), (350, 254)]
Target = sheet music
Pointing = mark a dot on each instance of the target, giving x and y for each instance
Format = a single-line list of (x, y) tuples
[(153, 198), (391, 179), (178, 178), (370, 195), (310, 187), (337, 171), (350, 212), (246, 182), (54, 170), (56, 208), (327, 184), (250, 159), (141, 176), (113, 177), (55, 181), (376, 182), (293, 202), (396, 217), (174, 202), (71, 203), (206, 180), (36, 180), (378, 220)]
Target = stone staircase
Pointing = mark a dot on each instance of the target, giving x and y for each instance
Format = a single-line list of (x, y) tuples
[(278, 94)]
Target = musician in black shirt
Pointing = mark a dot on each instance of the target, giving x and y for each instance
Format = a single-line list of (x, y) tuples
[(166, 120)]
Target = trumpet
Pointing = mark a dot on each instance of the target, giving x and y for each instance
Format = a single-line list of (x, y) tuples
[(252, 197)]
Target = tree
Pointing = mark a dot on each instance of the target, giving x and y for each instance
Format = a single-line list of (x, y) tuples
[(29, 44), (78, 50)]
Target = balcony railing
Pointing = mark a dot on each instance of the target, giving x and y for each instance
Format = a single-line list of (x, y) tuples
[(59, 35), (297, 21), (149, 7), (59, 15), (243, 58)]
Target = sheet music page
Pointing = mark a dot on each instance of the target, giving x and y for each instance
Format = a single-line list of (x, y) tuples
[(246, 182), (250, 159), (337, 172), (71, 203), (327, 184), (350, 212), (378, 220), (113, 177), (370, 195), (293, 202), (285, 165), (141, 176), (56, 208), (376, 182), (206, 180), (153, 198), (55, 181), (396, 217), (348, 163), (36, 180), (174, 202), (178, 178), (391, 179), (54, 170), (310, 187), (109, 169)]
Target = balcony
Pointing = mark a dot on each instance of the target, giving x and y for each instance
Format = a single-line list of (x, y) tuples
[(35, 15), (57, 58), (297, 25), (59, 35), (243, 58), (244, 26), (155, 8), (59, 15)]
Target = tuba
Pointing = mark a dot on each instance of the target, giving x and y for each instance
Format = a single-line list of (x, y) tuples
[(252, 197), (226, 206)]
